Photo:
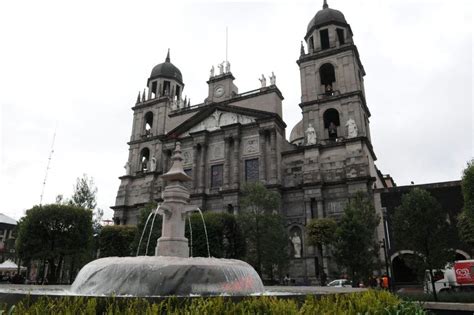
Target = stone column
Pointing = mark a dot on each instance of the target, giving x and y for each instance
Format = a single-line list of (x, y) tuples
[(202, 172), (273, 167), (195, 170), (165, 161), (261, 161), (320, 208), (236, 164), (227, 157)]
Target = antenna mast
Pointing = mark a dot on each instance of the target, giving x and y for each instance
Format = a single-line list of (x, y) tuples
[(226, 43), (47, 166)]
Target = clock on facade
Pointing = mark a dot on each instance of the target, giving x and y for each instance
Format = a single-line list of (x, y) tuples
[(219, 91)]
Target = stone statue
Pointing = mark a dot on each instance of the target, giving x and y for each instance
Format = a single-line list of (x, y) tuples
[(127, 168), (263, 81), (351, 128), (227, 67), (296, 241), (310, 135), (153, 164), (273, 79), (212, 72), (221, 68)]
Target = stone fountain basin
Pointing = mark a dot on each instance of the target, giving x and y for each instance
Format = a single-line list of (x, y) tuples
[(165, 275)]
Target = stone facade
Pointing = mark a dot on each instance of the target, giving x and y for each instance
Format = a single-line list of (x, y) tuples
[(233, 138)]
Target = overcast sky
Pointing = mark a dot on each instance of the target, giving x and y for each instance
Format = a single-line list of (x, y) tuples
[(79, 66)]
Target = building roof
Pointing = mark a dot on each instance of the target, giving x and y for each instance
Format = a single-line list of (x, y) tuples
[(297, 132), (326, 16), (6, 219), (166, 70)]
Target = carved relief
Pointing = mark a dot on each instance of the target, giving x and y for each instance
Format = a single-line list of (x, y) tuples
[(251, 145), (187, 157), (216, 151), (219, 119)]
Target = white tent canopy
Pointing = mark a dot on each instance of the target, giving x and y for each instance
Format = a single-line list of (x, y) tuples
[(9, 265)]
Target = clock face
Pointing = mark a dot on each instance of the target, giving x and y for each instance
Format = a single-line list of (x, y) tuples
[(219, 91)]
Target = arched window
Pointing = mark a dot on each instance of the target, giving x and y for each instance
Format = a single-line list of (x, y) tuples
[(331, 122), (148, 122), (328, 77), (144, 158)]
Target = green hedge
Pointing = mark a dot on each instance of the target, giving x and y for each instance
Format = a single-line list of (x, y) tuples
[(369, 302)]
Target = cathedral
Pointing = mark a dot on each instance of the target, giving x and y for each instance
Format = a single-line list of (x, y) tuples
[(234, 137)]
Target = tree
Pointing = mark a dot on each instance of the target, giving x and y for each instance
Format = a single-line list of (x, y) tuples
[(466, 217), (321, 232), (420, 225), (117, 240), (264, 230), (52, 233), (356, 247), (85, 193)]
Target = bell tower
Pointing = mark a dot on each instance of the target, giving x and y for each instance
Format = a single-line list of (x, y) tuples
[(332, 86)]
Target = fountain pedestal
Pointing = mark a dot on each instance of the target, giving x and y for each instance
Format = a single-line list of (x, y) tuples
[(173, 209)]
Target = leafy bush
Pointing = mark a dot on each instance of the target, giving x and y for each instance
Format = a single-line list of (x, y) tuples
[(454, 297), (116, 240), (369, 302)]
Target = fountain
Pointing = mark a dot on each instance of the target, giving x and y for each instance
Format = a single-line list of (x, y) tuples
[(171, 271)]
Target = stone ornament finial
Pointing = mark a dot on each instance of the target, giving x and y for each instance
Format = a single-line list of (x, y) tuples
[(143, 96), (176, 172), (138, 98), (325, 4), (302, 52)]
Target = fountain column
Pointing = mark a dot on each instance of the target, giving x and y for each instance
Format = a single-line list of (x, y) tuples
[(173, 209)]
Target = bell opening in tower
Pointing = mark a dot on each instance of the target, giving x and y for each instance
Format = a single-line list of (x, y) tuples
[(324, 35), (331, 122)]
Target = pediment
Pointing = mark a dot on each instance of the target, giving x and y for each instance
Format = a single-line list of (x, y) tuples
[(219, 118)]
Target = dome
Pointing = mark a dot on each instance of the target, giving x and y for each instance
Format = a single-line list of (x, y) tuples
[(326, 16), (166, 70), (297, 133)]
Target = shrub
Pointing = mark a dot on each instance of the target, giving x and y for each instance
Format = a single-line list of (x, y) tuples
[(369, 302)]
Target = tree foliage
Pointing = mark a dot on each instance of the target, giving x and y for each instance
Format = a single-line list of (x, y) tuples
[(226, 239), (420, 225), (466, 218), (85, 193), (356, 247), (321, 231), (258, 199), (54, 232), (117, 240), (265, 233)]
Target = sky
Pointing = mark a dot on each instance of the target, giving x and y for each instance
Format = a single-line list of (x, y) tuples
[(74, 68)]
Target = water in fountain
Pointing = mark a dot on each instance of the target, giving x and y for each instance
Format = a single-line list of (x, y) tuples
[(205, 232), (143, 232), (170, 271), (151, 230), (190, 236)]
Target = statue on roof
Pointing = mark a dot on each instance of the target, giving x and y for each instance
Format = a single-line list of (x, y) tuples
[(263, 81), (273, 79), (212, 72)]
